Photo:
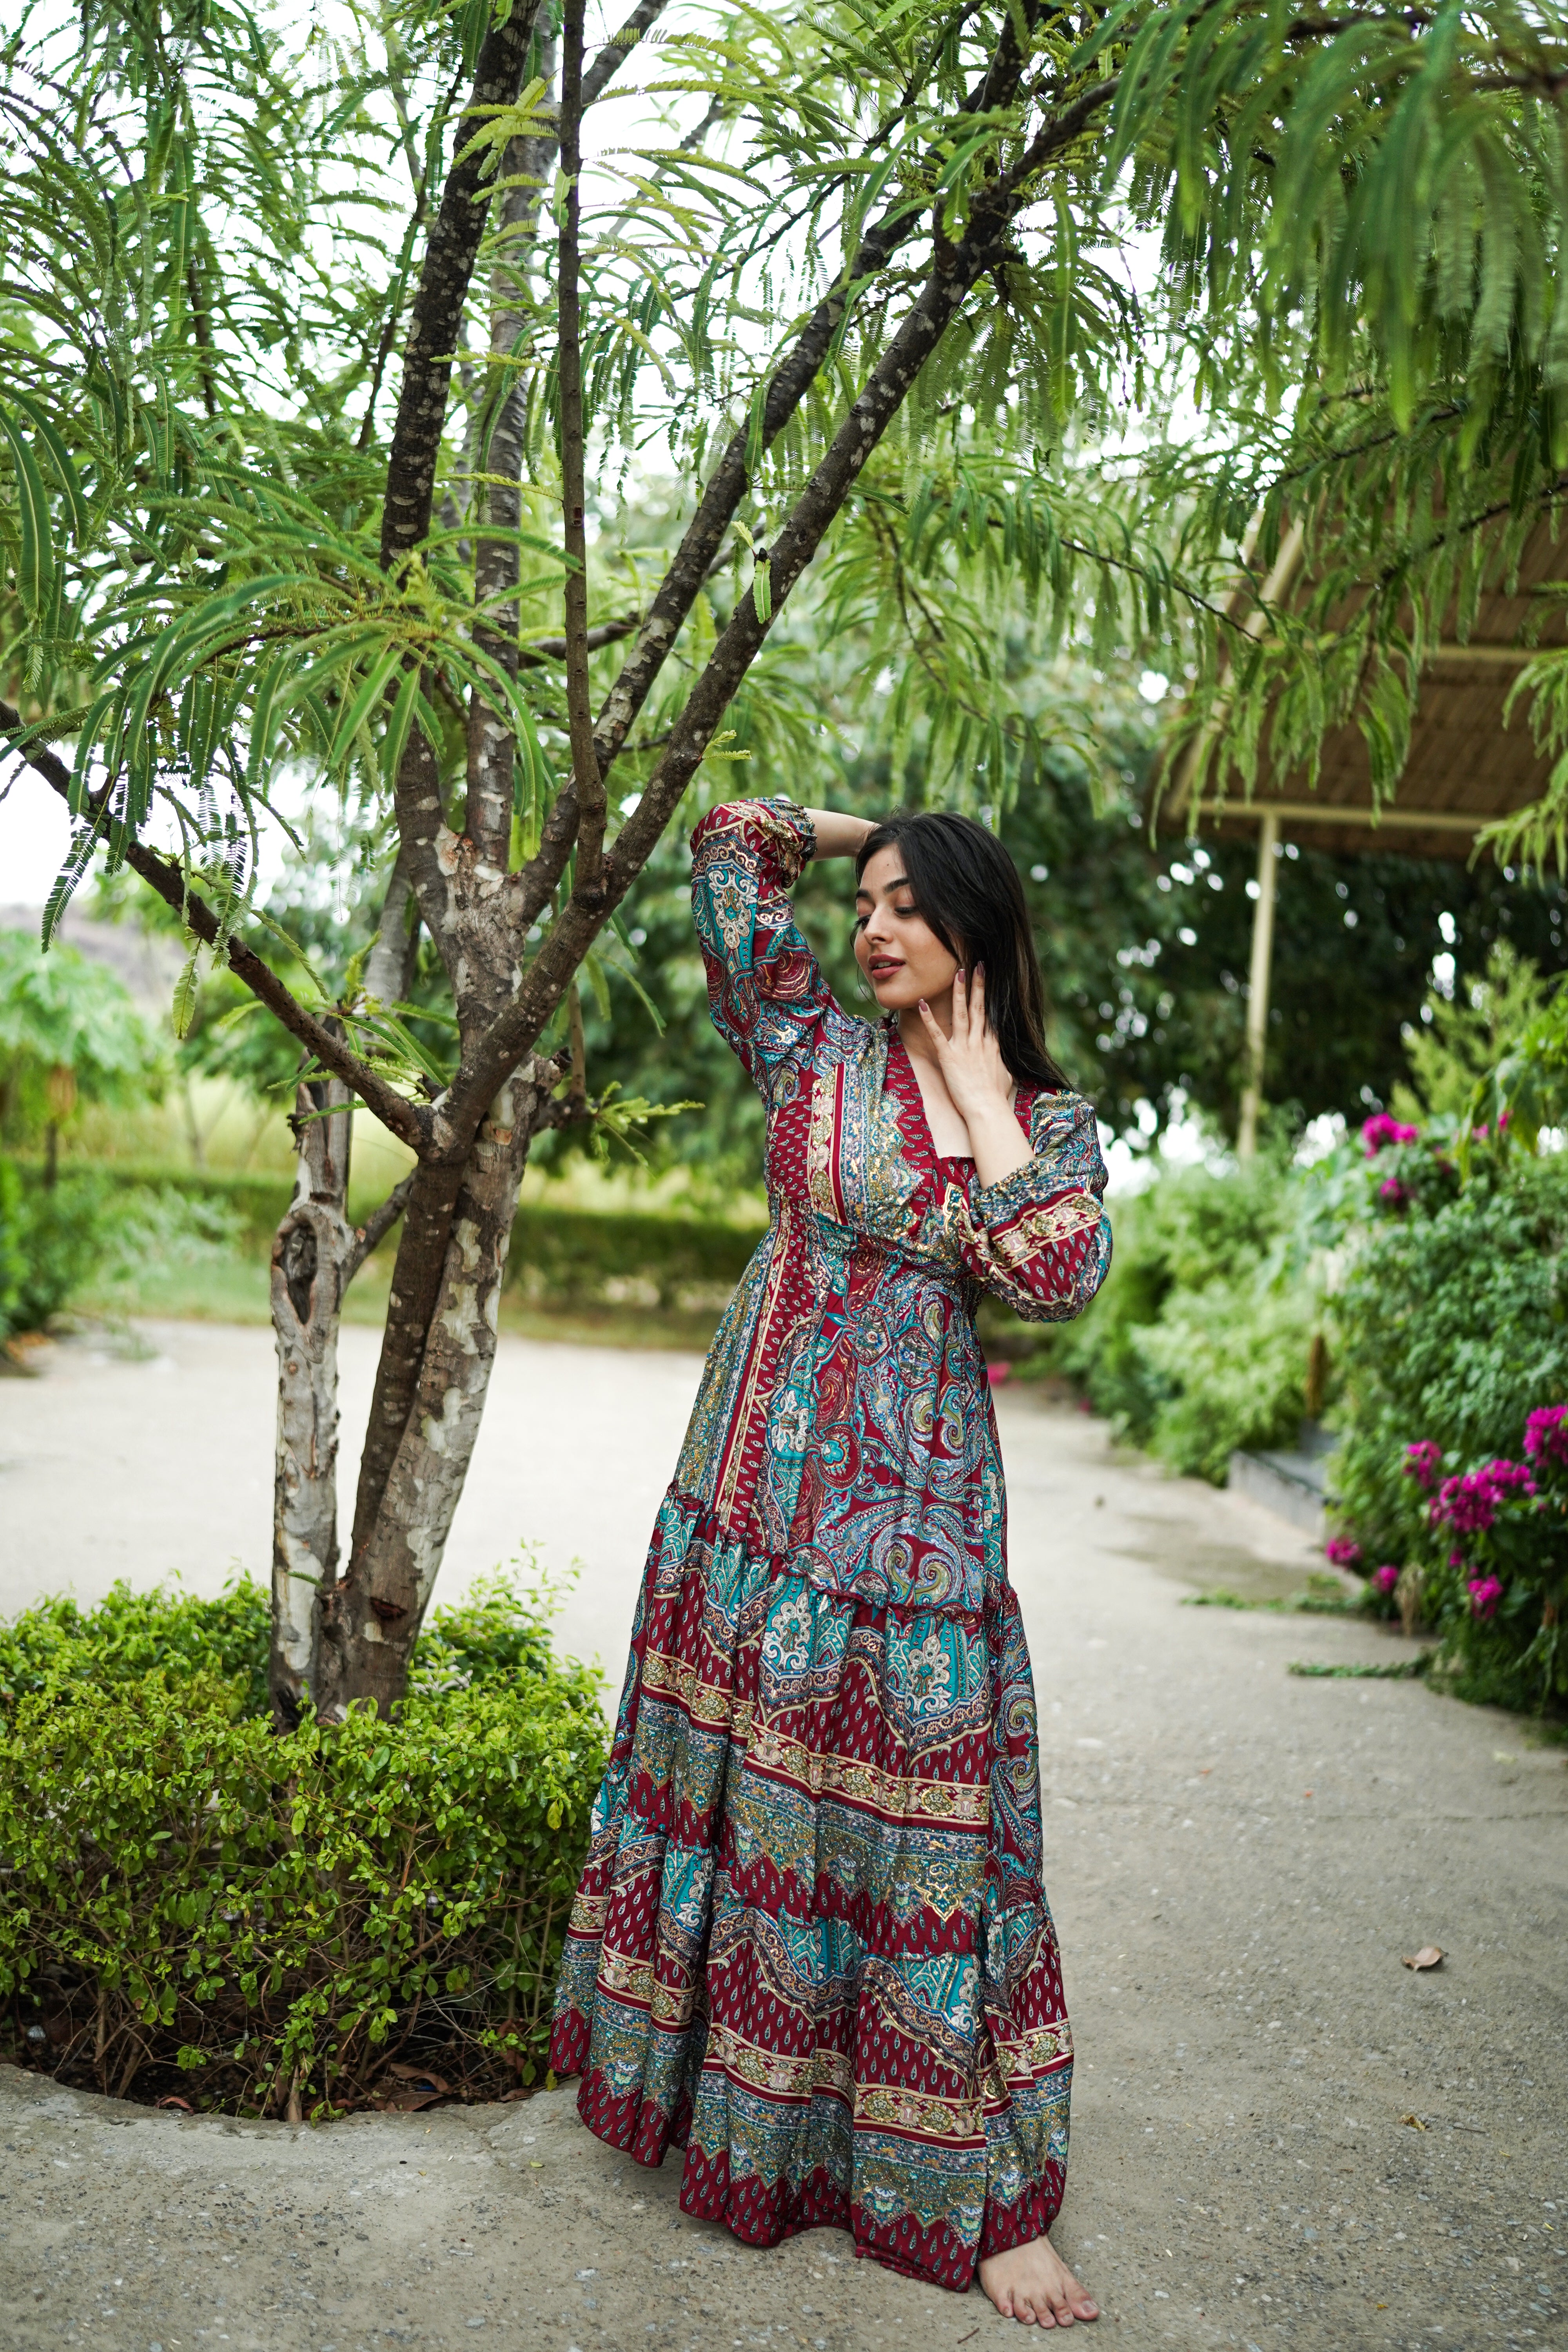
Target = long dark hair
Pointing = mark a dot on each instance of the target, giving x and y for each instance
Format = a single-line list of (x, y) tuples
[(967, 888)]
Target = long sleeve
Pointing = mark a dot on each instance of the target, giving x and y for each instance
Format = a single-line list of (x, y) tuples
[(765, 989), (1040, 1240)]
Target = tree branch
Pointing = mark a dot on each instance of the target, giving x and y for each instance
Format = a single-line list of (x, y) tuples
[(409, 1121), (376, 1226), (729, 483), (617, 49), (957, 267), (437, 317), (569, 379)]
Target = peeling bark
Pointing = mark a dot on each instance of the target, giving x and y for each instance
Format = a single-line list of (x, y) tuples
[(309, 1256), (316, 1252), (370, 1620)]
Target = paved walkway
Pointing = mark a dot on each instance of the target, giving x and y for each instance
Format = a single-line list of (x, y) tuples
[(1283, 2138)]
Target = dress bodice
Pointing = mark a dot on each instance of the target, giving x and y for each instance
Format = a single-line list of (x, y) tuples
[(844, 1421)]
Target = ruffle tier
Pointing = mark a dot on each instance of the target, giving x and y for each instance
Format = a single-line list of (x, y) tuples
[(811, 1945)]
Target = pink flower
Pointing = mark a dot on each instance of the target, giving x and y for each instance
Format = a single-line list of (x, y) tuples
[(1470, 1503), (1391, 1190), (1421, 1461), (1384, 1579), (1380, 1130), (1342, 1551), (1546, 1433), (997, 1373), (1485, 1594)]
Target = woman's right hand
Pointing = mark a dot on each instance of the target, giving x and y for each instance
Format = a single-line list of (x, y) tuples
[(838, 836)]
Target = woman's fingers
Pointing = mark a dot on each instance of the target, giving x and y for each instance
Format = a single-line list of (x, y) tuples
[(932, 1029)]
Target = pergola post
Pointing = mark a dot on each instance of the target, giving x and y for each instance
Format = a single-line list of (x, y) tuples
[(1257, 986)]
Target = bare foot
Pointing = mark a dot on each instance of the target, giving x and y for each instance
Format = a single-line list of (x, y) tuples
[(1031, 2284)]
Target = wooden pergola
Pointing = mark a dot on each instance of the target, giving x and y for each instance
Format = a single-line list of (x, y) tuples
[(1465, 768)]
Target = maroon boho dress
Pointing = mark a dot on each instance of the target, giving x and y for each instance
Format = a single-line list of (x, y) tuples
[(811, 1945)]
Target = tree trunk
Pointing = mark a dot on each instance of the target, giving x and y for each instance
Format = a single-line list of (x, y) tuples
[(316, 1252), (311, 1255), (368, 1621)]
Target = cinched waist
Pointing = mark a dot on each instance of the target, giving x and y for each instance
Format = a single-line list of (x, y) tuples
[(825, 1239)]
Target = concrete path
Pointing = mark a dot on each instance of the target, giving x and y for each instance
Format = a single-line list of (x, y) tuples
[(1283, 2139)]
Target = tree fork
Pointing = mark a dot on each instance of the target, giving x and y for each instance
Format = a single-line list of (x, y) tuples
[(726, 486), (514, 1032)]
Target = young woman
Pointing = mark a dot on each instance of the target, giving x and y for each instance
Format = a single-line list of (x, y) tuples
[(811, 1944)]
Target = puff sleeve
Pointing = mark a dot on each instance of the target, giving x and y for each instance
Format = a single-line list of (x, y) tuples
[(765, 989), (1040, 1240)]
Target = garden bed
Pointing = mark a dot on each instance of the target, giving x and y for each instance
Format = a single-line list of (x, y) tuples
[(194, 1907)]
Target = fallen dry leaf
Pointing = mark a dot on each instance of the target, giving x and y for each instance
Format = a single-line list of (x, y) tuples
[(411, 2088), (170, 2100), (1414, 2122), (1428, 1956), (524, 2091)]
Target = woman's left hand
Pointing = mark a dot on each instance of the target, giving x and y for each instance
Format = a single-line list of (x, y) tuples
[(978, 1079)]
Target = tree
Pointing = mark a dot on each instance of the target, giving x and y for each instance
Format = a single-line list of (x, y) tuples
[(69, 1034), (871, 298)]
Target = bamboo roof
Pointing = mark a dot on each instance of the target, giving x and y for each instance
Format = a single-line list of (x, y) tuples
[(1465, 767)]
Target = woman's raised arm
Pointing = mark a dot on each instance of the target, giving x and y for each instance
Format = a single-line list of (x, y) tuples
[(836, 835)]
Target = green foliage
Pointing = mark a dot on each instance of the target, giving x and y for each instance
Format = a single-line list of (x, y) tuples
[(1452, 1328), (58, 1237), (569, 1257), (194, 1901), (68, 1031), (103, 1227), (128, 1635), (1526, 1089), (1465, 1033), (1198, 1341), (13, 1257)]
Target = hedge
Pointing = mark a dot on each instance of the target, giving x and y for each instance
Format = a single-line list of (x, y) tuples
[(192, 1905), (559, 1256)]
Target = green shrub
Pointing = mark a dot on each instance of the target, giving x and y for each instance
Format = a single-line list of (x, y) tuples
[(575, 1257), (189, 1902), (1198, 1341), (10, 1248), (1452, 1328), (63, 1232)]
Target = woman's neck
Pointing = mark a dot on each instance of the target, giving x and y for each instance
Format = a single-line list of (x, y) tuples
[(911, 1028)]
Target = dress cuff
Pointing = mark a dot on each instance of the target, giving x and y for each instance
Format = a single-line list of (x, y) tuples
[(793, 835)]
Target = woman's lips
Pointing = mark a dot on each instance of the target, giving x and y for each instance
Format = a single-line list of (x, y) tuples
[(882, 968)]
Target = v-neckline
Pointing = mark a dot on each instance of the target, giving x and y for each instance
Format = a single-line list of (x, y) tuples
[(909, 1104)]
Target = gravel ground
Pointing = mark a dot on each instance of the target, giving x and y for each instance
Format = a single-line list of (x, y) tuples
[(1282, 2138)]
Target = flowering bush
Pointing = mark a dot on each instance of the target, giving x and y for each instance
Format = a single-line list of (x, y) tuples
[(1490, 1548), (1450, 1327)]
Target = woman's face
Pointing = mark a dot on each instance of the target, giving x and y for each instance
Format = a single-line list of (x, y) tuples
[(895, 947)]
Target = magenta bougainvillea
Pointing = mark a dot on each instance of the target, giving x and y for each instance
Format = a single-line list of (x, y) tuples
[(1546, 1434), (1379, 1131), (1490, 1543), (1421, 1463)]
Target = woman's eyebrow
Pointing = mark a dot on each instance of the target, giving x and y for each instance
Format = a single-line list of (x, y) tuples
[(899, 882)]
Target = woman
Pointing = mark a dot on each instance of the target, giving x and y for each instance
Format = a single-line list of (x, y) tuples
[(811, 1944)]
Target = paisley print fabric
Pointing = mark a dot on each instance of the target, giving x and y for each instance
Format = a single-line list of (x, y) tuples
[(811, 1946)]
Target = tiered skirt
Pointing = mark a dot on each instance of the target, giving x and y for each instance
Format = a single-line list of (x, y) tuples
[(811, 1946)]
